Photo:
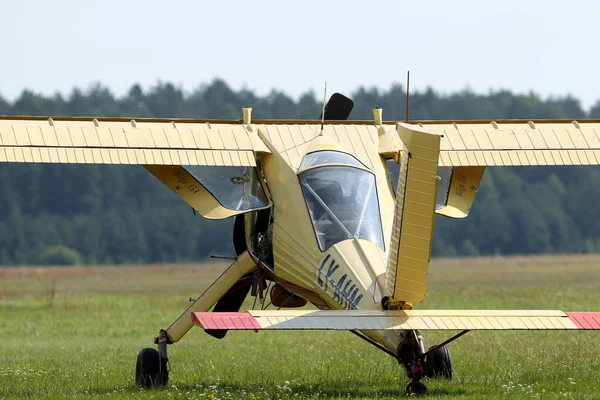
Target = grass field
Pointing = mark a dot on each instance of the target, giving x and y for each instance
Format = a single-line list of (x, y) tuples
[(75, 333)]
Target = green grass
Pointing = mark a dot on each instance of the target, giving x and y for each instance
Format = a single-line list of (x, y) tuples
[(75, 333)]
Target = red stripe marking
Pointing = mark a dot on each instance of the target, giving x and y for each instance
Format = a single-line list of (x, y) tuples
[(253, 322), (221, 322), (585, 320), (197, 319), (247, 323), (230, 321), (202, 321), (238, 323), (226, 320), (591, 321), (210, 322), (575, 321)]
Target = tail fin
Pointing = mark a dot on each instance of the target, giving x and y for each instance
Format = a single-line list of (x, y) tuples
[(412, 232)]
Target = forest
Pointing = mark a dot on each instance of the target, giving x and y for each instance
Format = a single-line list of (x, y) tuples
[(90, 214)]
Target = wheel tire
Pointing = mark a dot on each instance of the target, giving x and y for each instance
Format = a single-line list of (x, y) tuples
[(148, 371), (439, 364), (416, 388)]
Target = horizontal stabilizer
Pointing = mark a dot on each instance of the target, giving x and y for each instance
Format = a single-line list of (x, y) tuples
[(399, 320), (231, 302)]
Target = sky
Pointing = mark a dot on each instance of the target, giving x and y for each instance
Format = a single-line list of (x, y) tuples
[(549, 47)]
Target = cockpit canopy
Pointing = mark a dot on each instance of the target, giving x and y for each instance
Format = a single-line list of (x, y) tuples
[(328, 157), (341, 197)]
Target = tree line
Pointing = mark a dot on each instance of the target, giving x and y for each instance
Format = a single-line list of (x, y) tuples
[(121, 214)]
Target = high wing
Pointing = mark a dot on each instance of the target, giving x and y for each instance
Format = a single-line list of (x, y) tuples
[(507, 143), (518, 143), (399, 320), (235, 143), (467, 147), (123, 141), (168, 149)]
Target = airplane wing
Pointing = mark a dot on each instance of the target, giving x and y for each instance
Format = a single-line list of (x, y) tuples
[(170, 150), (516, 143), (167, 147), (123, 141), (467, 147), (227, 143), (399, 320)]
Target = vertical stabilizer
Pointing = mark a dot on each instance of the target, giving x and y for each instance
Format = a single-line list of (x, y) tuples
[(412, 232)]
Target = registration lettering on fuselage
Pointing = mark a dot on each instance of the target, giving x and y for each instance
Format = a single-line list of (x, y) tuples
[(341, 288)]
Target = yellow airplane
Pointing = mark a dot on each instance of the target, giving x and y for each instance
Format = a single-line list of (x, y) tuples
[(317, 218)]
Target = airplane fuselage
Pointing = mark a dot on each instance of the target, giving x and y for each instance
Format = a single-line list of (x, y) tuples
[(331, 250)]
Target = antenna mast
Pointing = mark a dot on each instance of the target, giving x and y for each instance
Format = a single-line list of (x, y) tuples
[(323, 113), (407, 94)]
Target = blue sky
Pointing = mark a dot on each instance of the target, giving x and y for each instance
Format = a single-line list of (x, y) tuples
[(550, 47)]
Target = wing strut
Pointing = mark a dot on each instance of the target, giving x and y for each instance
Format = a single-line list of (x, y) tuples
[(240, 267)]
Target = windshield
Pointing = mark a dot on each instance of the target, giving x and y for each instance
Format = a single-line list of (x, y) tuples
[(328, 157), (342, 203), (236, 188)]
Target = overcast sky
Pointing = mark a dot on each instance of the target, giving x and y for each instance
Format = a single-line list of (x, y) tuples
[(550, 47)]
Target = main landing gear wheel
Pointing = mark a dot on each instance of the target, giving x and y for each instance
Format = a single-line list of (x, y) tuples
[(438, 364), (416, 388), (149, 370)]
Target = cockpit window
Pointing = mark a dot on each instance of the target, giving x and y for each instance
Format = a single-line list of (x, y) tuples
[(343, 204), (236, 188), (328, 157), (444, 175), (394, 173)]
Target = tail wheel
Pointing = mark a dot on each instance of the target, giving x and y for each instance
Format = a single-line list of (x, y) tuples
[(438, 364), (149, 371), (416, 388)]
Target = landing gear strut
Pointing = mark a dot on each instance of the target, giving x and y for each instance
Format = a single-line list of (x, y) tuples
[(435, 363), (410, 356), (151, 369)]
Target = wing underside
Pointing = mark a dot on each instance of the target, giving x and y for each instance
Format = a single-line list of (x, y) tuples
[(400, 320)]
